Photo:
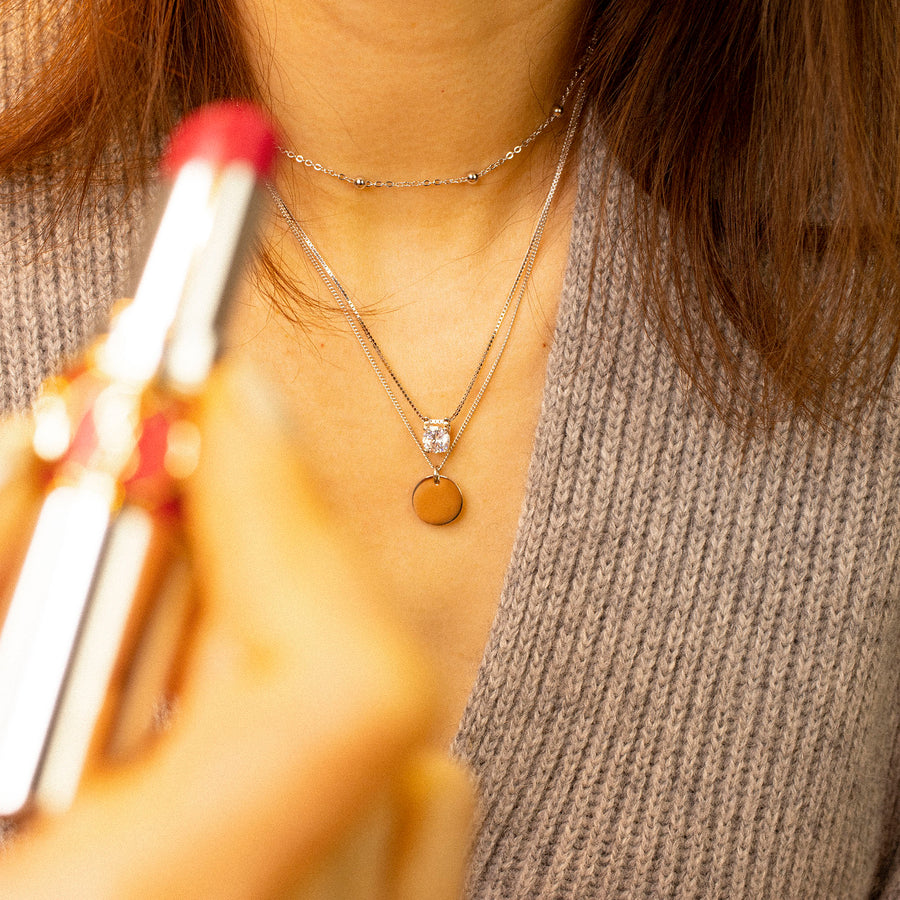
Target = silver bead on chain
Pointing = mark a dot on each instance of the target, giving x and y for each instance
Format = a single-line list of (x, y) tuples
[(472, 177)]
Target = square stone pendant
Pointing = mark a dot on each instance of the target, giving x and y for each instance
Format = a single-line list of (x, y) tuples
[(436, 436)]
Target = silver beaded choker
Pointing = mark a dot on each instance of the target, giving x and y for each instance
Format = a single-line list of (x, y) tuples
[(472, 177)]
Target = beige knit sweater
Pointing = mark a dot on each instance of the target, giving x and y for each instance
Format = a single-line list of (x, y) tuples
[(691, 686)]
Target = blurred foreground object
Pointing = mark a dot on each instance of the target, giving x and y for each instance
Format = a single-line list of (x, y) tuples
[(297, 764), (97, 601)]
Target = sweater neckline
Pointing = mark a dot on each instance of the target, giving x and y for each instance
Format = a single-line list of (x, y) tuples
[(574, 296)]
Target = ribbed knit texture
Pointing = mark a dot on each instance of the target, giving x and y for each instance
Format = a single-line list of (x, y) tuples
[(53, 298), (57, 280), (691, 686)]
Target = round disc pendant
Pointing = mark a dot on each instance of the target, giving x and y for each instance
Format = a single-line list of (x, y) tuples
[(437, 501)]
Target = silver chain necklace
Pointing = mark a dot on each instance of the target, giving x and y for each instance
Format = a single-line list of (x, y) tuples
[(437, 499), (472, 177)]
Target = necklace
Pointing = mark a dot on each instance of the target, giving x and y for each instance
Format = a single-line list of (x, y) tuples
[(475, 175), (437, 499)]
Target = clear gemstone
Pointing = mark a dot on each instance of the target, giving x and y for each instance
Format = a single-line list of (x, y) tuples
[(436, 436)]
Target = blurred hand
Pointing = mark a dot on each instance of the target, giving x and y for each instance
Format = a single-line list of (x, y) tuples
[(294, 766)]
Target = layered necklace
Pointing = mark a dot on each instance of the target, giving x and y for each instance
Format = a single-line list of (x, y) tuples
[(436, 498)]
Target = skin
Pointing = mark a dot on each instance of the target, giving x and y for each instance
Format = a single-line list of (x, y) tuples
[(430, 268)]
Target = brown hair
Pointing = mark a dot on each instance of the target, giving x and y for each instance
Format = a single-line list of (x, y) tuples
[(766, 132)]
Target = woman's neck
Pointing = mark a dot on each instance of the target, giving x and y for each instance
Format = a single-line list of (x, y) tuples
[(411, 89), (417, 89)]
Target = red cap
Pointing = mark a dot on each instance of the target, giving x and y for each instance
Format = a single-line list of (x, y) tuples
[(221, 133)]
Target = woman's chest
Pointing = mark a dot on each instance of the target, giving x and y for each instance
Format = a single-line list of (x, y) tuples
[(441, 582)]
